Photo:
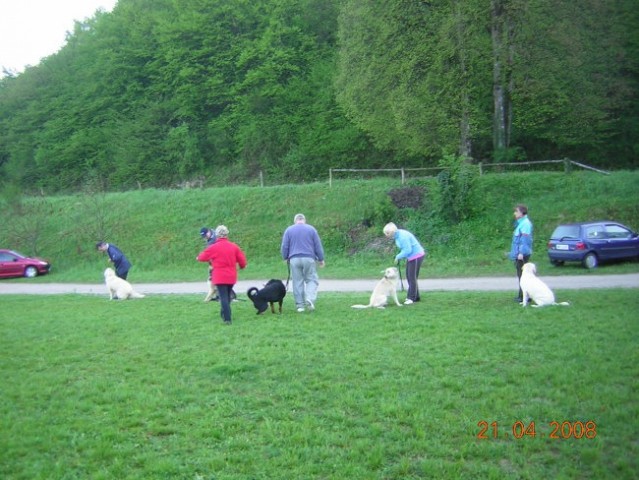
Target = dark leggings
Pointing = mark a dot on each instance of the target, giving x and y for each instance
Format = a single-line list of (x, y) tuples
[(224, 291), (519, 265), (412, 272)]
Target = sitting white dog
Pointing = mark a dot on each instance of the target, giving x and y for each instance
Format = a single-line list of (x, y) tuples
[(534, 289), (385, 288), (119, 289)]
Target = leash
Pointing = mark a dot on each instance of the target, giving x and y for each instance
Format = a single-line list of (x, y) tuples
[(399, 268)]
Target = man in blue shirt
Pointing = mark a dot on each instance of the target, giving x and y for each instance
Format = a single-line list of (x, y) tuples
[(119, 260), (521, 247), (302, 249)]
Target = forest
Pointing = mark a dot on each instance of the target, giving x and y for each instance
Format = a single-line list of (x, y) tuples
[(163, 93)]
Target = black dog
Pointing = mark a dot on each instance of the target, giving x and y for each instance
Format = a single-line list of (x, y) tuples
[(273, 291)]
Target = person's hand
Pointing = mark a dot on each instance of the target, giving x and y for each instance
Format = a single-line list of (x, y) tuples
[(321, 264), (520, 257)]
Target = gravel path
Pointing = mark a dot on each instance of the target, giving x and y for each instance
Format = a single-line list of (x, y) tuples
[(326, 285)]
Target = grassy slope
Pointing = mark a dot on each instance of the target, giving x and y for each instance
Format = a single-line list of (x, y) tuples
[(158, 230)]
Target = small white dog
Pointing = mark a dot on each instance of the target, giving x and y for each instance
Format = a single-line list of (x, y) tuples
[(386, 288), (534, 289), (119, 289)]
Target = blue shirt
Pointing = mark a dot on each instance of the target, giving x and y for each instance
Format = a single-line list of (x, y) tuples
[(302, 240)]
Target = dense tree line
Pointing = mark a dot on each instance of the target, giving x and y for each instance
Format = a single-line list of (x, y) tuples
[(161, 91)]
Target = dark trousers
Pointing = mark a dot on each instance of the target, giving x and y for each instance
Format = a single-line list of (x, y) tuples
[(519, 265), (224, 291), (412, 272)]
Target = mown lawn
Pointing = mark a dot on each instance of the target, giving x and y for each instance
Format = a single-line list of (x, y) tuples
[(158, 388)]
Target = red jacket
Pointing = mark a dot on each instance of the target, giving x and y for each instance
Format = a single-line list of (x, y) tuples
[(223, 255)]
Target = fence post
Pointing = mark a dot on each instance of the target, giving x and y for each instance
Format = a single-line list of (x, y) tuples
[(481, 172), (330, 178), (403, 178), (567, 166), (261, 178)]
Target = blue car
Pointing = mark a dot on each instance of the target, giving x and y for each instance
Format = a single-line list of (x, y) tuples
[(592, 242)]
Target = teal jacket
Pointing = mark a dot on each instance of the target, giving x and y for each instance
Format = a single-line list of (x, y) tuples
[(409, 246), (522, 238)]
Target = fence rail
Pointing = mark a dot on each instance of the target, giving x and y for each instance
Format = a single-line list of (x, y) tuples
[(568, 164)]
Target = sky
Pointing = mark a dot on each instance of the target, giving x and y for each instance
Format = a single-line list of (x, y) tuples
[(33, 29)]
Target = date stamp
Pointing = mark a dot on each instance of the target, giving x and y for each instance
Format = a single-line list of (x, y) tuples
[(556, 430)]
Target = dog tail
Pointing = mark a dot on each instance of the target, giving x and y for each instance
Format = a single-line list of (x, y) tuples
[(252, 292), (563, 303), (135, 294), (360, 306)]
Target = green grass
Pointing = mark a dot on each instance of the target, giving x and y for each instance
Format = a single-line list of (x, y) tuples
[(158, 229), (159, 388)]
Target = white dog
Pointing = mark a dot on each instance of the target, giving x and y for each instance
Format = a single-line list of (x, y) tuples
[(385, 288), (118, 288), (534, 289)]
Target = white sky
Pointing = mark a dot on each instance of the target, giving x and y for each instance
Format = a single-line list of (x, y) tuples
[(33, 29)]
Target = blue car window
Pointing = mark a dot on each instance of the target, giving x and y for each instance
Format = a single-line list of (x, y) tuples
[(596, 231), (615, 231)]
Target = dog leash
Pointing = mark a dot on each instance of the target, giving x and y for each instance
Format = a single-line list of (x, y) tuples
[(399, 269)]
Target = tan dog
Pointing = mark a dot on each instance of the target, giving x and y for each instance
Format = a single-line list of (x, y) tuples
[(119, 289), (212, 292), (534, 289), (385, 288)]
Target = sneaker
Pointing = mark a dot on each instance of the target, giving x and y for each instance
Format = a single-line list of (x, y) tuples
[(300, 310), (310, 304), (408, 301)]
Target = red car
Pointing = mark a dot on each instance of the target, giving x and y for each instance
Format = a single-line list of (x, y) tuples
[(13, 264)]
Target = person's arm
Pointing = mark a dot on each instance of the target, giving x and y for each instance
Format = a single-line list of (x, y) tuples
[(318, 248), (284, 247), (205, 255), (115, 255), (241, 258), (404, 247)]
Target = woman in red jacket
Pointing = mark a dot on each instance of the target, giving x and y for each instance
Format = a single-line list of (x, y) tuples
[(224, 255)]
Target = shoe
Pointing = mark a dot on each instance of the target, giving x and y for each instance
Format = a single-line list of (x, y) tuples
[(408, 301), (310, 304), (226, 323), (300, 310)]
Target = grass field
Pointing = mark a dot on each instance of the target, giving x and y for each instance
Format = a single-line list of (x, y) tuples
[(159, 389)]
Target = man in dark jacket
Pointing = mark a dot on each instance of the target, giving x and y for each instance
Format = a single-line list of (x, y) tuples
[(119, 260)]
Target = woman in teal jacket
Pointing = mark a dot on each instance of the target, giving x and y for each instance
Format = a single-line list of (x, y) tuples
[(521, 246), (413, 252)]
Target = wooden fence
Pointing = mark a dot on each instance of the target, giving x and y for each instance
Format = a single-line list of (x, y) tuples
[(568, 165)]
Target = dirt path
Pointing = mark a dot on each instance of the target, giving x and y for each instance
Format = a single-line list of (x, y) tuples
[(326, 285)]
